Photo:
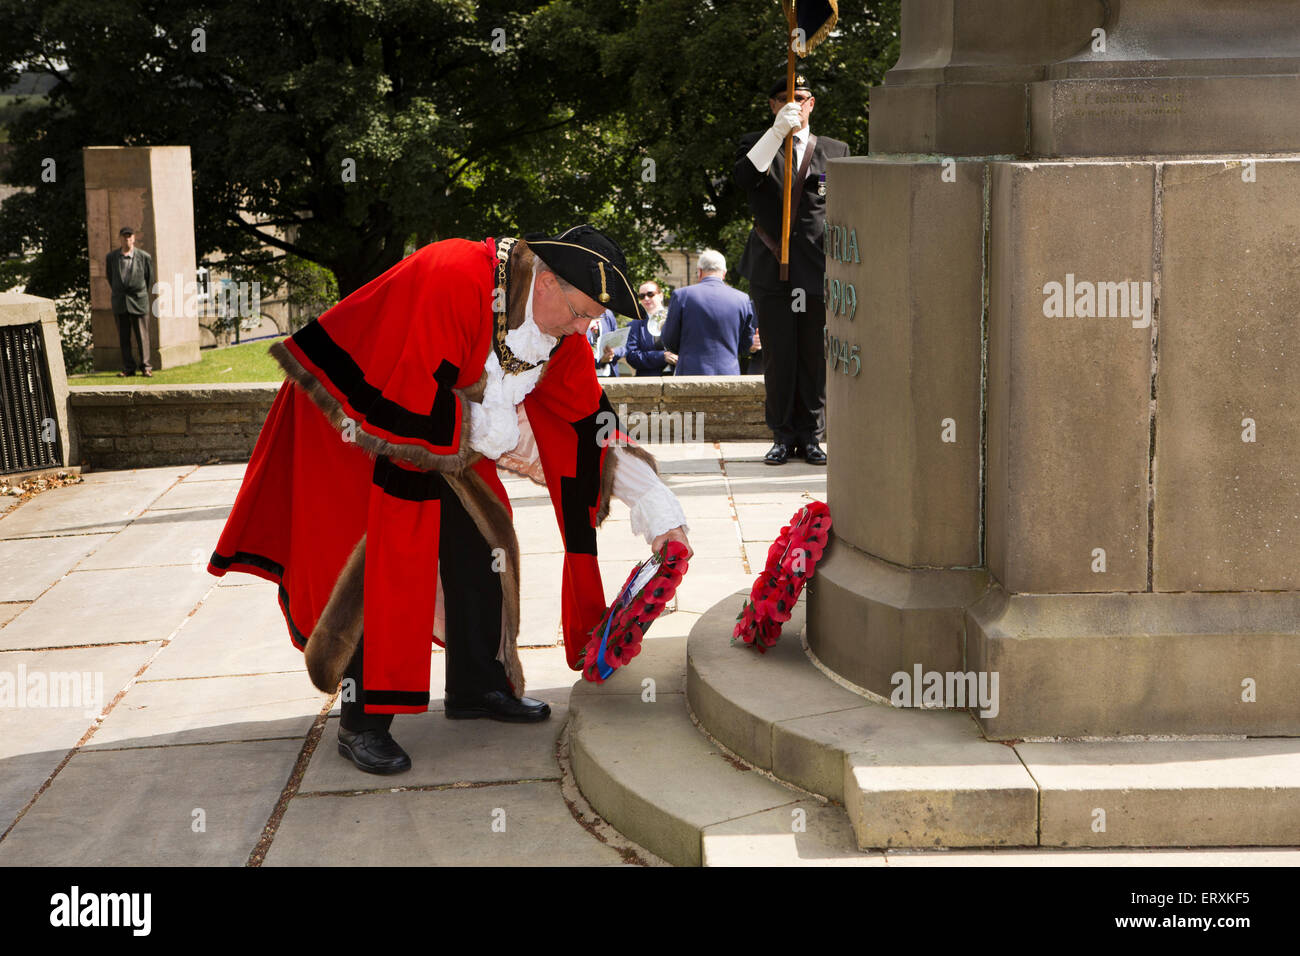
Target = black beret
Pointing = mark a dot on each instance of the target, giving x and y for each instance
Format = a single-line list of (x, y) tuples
[(588, 259), (778, 88)]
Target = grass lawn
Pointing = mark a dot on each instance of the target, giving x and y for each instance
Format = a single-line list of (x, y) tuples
[(239, 363)]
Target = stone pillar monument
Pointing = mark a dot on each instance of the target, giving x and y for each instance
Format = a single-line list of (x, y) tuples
[(1064, 367), (148, 188)]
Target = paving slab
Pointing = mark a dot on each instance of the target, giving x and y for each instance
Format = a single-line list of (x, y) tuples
[(167, 473), (108, 607), (662, 661), (11, 609), (153, 794), (28, 566), (696, 484), (547, 674), (238, 579), (671, 623), (7, 502), (762, 523), (200, 494), (34, 740), (446, 752), (234, 631), (703, 586), (748, 486), (747, 450), (711, 538), (1163, 793), (690, 466), (518, 489), (210, 710), (162, 538), (541, 575), (218, 472), (539, 621), (670, 452), (451, 827), (92, 507), (806, 833), (535, 526)]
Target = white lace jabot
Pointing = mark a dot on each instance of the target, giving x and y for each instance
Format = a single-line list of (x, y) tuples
[(493, 423), (494, 429)]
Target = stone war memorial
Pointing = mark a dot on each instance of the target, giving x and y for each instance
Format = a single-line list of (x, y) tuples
[(149, 189), (1069, 458)]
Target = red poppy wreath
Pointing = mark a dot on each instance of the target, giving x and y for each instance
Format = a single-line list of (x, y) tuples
[(791, 561), (650, 586)]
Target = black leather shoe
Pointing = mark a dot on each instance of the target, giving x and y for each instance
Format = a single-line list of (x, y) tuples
[(778, 454), (374, 751), (498, 705), (813, 454)]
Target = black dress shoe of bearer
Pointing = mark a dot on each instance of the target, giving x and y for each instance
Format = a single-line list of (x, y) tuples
[(374, 751), (498, 705), (778, 454), (813, 454)]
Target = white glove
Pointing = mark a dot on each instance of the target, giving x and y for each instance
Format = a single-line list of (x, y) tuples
[(788, 118)]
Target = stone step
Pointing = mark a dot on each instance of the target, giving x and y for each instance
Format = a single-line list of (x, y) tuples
[(643, 765), (907, 778), (928, 778)]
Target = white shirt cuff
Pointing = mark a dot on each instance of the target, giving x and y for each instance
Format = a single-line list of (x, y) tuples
[(655, 509)]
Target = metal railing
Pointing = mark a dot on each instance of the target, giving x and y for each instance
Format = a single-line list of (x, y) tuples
[(29, 426)]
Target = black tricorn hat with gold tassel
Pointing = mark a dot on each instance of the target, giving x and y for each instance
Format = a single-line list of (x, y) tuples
[(590, 260)]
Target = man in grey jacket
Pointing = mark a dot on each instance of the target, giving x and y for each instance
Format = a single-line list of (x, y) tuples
[(130, 277)]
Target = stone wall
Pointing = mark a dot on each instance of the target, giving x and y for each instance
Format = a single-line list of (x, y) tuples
[(126, 426)]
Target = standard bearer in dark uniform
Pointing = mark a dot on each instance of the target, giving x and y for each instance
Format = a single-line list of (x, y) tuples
[(791, 313)]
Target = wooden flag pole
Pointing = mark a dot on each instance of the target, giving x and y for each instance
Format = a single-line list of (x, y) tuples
[(791, 19)]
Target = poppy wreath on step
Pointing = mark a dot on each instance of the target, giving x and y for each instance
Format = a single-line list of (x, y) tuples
[(617, 638), (791, 561)]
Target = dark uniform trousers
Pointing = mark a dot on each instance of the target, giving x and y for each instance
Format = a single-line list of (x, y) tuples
[(131, 327), (794, 366), (471, 613)]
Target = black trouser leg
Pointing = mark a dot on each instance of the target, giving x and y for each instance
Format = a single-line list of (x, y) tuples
[(777, 326), (354, 717), (808, 416), (471, 604), (124, 323)]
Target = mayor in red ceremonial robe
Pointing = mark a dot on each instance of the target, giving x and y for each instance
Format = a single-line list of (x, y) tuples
[(372, 497)]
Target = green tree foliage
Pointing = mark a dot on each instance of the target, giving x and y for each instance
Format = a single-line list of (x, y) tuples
[(459, 118)]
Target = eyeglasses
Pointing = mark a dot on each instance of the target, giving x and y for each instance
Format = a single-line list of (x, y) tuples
[(647, 295), (802, 99), (577, 314)]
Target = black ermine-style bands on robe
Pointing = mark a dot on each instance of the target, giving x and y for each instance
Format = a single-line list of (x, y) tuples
[(579, 495), (437, 426), (407, 484)]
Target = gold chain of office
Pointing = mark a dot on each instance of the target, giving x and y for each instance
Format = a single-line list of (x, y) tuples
[(510, 363)]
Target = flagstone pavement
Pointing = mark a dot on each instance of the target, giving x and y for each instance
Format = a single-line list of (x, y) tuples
[(183, 729)]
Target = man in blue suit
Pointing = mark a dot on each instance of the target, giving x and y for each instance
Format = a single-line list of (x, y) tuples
[(709, 324)]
